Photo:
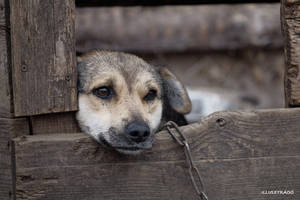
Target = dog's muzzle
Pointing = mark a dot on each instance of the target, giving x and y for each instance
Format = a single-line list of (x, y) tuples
[(137, 131), (135, 138)]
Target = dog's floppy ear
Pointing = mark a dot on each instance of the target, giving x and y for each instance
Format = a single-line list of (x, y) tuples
[(175, 92)]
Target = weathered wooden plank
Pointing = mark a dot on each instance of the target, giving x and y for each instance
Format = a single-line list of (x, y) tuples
[(163, 2), (16, 127), (54, 123), (224, 135), (178, 28), (240, 179), (6, 108), (5, 167), (240, 154), (290, 20), (43, 56), (8, 129)]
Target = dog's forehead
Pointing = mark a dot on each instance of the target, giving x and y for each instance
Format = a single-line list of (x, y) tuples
[(131, 68), (99, 61)]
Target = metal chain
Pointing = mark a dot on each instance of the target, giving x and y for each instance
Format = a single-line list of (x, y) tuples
[(193, 170)]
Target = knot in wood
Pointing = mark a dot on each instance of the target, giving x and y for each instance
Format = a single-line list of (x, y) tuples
[(67, 78), (24, 68), (292, 72), (221, 122)]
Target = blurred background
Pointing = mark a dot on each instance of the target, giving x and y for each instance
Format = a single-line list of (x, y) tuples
[(228, 56)]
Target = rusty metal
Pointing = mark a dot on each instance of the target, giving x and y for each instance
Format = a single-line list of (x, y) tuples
[(193, 170)]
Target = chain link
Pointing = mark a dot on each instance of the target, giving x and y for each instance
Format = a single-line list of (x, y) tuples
[(193, 170)]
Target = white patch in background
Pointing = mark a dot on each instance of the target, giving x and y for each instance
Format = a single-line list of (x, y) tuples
[(206, 101)]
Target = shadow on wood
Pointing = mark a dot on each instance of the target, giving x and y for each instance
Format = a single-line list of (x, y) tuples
[(239, 154)]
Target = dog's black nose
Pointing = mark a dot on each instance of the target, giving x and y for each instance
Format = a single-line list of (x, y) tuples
[(137, 132)]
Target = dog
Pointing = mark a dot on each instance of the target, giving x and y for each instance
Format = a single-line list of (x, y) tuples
[(123, 100)]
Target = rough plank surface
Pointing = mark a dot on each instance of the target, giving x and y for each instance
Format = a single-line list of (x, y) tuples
[(239, 154), (6, 108), (8, 129), (5, 166), (290, 20), (54, 123), (162, 2), (241, 179), (43, 56), (178, 28), (16, 127)]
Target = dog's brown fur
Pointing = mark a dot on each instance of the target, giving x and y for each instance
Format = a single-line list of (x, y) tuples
[(131, 80)]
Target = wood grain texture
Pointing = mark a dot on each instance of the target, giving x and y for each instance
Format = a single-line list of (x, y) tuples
[(9, 128), (5, 165), (290, 20), (239, 154), (43, 56), (6, 107), (241, 179), (16, 127), (163, 2), (54, 123)]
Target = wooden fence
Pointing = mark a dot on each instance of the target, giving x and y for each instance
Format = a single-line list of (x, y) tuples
[(43, 155)]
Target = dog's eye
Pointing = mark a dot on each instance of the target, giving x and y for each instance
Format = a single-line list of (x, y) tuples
[(104, 92), (151, 95)]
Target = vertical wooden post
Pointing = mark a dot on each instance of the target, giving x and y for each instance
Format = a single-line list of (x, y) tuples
[(6, 108), (9, 128), (6, 179), (290, 21), (43, 56)]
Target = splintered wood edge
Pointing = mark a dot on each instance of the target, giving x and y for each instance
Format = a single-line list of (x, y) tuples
[(290, 15)]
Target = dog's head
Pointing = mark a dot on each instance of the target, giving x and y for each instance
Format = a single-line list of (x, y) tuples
[(121, 99)]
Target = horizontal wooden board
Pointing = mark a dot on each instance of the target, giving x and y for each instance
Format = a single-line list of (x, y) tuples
[(241, 179), (244, 135), (6, 107), (290, 19), (179, 28), (43, 56), (162, 2), (239, 154), (54, 123)]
